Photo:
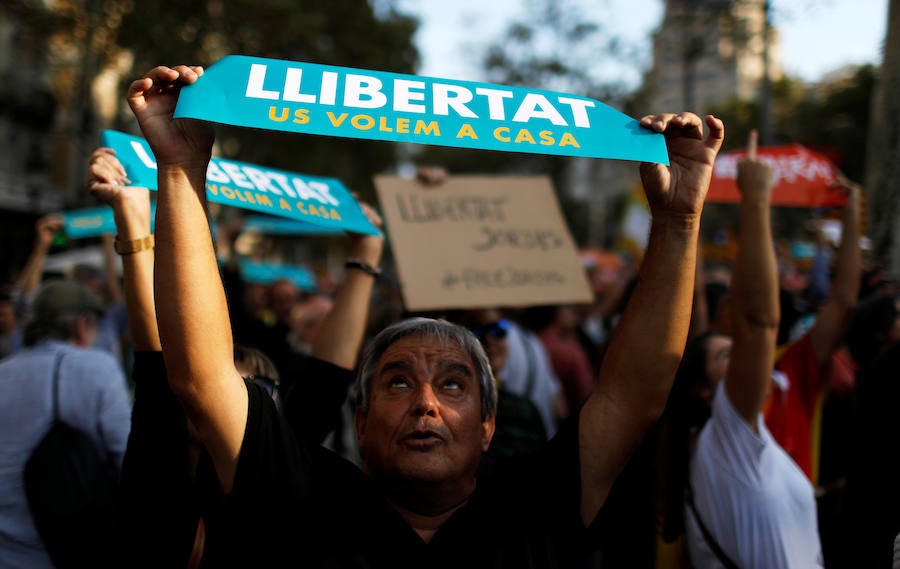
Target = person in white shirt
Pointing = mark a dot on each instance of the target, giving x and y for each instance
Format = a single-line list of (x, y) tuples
[(749, 504)]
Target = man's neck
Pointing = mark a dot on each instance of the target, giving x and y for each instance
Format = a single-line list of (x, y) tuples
[(425, 524)]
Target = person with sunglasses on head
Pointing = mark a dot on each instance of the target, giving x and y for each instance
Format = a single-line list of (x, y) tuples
[(520, 429)]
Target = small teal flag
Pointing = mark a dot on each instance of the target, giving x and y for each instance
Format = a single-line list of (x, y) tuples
[(267, 273), (94, 221), (340, 101), (323, 202)]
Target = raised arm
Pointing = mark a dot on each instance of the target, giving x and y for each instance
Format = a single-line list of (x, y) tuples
[(192, 314), (827, 332), (754, 293), (30, 277), (342, 331), (106, 180), (648, 342)]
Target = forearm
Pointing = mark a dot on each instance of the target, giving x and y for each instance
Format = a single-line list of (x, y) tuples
[(132, 216), (755, 311), (113, 287), (848, 263), (828, 331), (30, 277), (755, 281), (343, 329), (649, 340), (192, 311), (641, 361)]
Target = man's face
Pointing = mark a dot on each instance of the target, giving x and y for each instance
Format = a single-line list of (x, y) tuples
[(424, 420)]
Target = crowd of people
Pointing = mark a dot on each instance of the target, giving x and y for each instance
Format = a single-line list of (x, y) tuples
[(680, 420)]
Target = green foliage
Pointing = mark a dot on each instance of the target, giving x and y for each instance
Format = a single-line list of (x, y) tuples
[(552, 46), (338, 32), (830, 118)]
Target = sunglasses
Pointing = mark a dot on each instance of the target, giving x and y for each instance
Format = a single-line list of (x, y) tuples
[(496, 330)]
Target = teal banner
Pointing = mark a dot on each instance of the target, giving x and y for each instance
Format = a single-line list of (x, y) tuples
[(94, 221), (267, 273), (340, 101), (270, 225), (323, 202)]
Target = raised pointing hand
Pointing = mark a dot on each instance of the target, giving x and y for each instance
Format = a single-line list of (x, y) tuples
[(754, 177)]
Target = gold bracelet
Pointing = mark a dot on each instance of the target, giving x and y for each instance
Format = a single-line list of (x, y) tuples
[(130, 247)]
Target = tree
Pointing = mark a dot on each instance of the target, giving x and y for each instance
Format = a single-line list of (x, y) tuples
[(831, 118), (339, 32), (553, 45), (883, 161)]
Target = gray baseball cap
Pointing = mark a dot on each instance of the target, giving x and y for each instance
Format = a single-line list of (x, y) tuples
[(64, 297)]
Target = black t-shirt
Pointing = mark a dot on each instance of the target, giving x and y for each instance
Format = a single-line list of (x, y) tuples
[(159, 506), (299, 505)]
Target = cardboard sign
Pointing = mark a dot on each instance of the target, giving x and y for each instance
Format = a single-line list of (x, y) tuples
[(94, 221), (802, 178), (340, 101), (324, 202), (479, 242)]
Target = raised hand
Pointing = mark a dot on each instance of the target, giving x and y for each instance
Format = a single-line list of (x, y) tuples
[(107, 181), (47, 227), (152, 99), (754, 177), (106, 178), (680, 188), (431, 176)]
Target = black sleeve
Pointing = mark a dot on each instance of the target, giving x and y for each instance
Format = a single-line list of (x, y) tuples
[(545, 489), (272, 478), (158, 515), (314, 400)]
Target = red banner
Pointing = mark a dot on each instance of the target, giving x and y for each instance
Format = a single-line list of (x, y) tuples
[(803, 178)]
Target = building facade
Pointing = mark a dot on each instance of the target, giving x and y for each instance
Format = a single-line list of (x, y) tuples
[(707, 53)]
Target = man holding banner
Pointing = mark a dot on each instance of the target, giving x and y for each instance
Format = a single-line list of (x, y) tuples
[(426, 409)]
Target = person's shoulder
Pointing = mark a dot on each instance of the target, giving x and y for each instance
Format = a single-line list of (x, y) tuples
[(91, 362), (93, 356)]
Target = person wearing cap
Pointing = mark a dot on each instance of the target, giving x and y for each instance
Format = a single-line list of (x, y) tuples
[(92, 397)]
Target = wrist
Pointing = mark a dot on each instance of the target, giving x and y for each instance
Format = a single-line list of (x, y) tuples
[(124, 246), (186, 168), (369, 253), (360, 265), (688, 223), (132, 217)]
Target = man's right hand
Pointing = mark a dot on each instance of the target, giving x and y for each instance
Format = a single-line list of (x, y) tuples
[(181, 142)]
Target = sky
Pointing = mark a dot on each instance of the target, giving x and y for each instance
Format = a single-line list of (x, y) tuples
[(816, 36)]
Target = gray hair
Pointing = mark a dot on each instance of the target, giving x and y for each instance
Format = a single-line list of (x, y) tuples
[(443, 331), (60, 328)]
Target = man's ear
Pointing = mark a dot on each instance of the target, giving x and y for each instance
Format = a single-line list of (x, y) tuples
[(487, 433)]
